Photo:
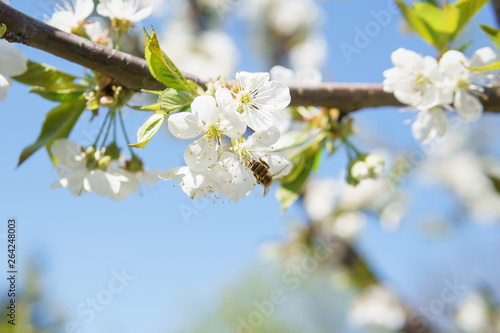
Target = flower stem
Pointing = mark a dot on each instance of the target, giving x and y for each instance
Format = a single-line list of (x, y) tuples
[(112, 112), (118, 36), (114, 125), (125, 133), (102, 128)]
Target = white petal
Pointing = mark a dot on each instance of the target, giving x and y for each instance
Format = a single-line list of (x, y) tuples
[(97, 182), (225, 99), (273, 96), (429, 124), (205, 108), (279, 165), (151, 177), (263, 139), (440, 122), (483, 56), (142, 14), (405, 58), (241, 177), (83, 9), (103, 10), (282, 74), (4, 86), (125, 188), (468, 106), (258, 120), (422, 127), (12, 61), (201, 154), (250, 81), (185, 125), (307, 75), (67, 152), (175, 173), (452, 64), (233, 124)]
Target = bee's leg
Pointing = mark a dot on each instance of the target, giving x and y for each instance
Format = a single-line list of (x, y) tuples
[(263, 162)]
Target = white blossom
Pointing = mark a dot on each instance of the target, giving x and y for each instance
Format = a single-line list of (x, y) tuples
[(209, 54), (98, 33), (472, 315), (310, 53), (257, 99), (366, 166), (461, 81), (12, 62), (256, 148), (430, 124), (284, 17), (200, 184), (211, 121), (124, 10), (416, 80), (134, 172), (80, 172), (305, 75), (71, 16), (376, 306)]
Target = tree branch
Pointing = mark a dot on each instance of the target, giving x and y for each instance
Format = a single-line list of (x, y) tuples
[(496, 7), (133, 72)]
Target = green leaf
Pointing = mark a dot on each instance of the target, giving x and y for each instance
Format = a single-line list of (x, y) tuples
[(439, 20), (148, 130), (63, 95), (490, 67), (58, 124), (415, 22), (303, 161), (467, 8), (160, 65), (152, 107), (172, 100), (3, 29), (492, 33), (48, 77)]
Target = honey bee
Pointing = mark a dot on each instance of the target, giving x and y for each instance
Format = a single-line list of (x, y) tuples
[(261, 173)]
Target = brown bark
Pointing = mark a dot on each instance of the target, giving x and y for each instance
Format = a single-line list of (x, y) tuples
[(133, 72)]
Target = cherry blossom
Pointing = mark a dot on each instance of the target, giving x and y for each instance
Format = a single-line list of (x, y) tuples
[(123, 10), (206, 119), (256, 98), (83, 171), (70, 16)]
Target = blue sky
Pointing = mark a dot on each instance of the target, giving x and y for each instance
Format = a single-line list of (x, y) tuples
[(181, 265)]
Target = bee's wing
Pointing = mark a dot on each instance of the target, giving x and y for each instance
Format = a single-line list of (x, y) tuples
[(266, 190)]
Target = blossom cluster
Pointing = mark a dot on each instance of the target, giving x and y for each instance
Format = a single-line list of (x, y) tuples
[(97, 171), (72, 17), (221, 161), (432, 87)]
